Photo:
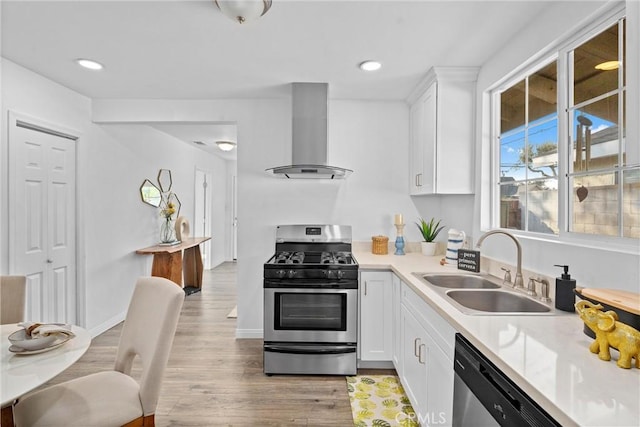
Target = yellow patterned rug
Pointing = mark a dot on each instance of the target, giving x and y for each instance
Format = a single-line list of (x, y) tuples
[(380, 401)]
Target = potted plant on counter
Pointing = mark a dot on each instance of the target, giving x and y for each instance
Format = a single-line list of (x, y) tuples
[(429, 231)]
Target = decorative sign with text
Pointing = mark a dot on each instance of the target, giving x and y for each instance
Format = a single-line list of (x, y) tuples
[(469, 260)]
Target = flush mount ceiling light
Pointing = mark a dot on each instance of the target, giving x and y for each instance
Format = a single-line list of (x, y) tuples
[(608, 66), (226, 145), (88, 63), (370, 65), (242, 11)]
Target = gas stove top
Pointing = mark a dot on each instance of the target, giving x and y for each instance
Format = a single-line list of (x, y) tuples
[(312, 252), (313, 258)]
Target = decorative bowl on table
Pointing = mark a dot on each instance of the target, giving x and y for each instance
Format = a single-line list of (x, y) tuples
[(20, 339)]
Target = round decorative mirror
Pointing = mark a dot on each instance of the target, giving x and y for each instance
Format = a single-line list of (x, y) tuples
[(150, 193)]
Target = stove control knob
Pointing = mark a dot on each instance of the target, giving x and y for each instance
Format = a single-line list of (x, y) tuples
[(291, 274), (340, 274), (280, 274), (328, 274)]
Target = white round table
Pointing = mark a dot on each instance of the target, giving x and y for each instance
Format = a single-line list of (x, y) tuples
[(22, 373)]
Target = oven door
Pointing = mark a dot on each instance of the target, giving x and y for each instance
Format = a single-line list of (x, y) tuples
[(311, 315)]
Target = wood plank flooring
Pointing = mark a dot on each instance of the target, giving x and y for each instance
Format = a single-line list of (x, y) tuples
[(212, 379)]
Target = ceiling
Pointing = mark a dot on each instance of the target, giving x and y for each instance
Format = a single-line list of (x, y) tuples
[(188, 50)]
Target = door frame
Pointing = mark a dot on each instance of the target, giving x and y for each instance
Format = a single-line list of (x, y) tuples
[(38, 124), (208, 209)]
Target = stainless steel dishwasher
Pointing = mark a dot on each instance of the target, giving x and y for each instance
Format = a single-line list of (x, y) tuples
[(484, 396)]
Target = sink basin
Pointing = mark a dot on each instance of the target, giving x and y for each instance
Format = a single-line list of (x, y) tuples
[(459, 281), (496, 301)]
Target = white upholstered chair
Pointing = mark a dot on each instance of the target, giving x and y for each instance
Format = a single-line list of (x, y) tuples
[(12, 297), (114, 398)]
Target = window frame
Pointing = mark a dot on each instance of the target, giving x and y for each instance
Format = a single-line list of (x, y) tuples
[(561, 51)]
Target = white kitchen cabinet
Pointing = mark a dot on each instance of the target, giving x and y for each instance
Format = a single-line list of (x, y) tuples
[(375, 343), (442, 132), (427, 360), (396, 322), (414, 369)]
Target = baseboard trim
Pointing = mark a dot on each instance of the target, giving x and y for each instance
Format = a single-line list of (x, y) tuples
[(249, 333), (375, 364), (104, 326)]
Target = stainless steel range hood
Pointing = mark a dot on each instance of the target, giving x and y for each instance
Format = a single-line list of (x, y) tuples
[(310, 135)]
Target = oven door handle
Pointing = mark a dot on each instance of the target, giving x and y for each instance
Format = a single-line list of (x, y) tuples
[(306, 349)]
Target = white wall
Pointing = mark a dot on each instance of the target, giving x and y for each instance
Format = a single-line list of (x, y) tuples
[(113, 160), (591, 265), (369, 137)]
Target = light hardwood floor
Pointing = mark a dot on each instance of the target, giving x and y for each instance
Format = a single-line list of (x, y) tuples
[(212, 379)]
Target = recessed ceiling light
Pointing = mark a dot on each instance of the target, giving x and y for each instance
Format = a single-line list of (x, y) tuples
[(608, 66), (87, 63), (370, 65)]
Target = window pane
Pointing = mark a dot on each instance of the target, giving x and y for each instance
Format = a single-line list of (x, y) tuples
[(595, 204), (512, 107), (511, 150), (596, 135), (542, 156), (602, 52), (511, 211), (543, 92), (631, 204), (542, 207)]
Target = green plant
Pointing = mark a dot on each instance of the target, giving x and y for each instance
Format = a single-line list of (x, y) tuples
[(429, 230)]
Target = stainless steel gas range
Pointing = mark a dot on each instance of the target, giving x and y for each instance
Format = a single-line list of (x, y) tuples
[(311, 302)]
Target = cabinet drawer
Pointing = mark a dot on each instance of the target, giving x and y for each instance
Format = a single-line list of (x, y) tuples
[(439, 329)]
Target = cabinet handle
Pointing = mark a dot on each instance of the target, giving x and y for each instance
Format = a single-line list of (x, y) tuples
[(419, 180), (415, 346), (365, 288), (420, 353)]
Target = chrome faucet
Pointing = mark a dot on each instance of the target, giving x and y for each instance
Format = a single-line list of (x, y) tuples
[(518, 282)]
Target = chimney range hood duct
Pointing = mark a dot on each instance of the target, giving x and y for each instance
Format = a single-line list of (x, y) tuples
[(310, 135)]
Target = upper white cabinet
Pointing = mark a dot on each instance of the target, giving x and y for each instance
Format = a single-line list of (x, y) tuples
[(442, 132)]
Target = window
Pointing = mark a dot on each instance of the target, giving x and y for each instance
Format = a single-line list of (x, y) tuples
[(561, 131)]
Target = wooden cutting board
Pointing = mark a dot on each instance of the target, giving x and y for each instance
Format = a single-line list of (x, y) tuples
[(625, 300)]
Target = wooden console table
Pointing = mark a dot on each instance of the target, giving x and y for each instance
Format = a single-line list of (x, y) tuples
[(168, 262)]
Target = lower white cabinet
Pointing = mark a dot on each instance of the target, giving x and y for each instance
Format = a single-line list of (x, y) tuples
[(426, 367), (397, 325), (396, 344), (375, 326)]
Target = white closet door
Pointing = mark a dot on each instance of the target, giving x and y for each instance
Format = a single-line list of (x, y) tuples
[(42, 222)]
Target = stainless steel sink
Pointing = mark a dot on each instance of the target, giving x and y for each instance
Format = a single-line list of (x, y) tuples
[(496, 301), (481, 294), (459, 281)]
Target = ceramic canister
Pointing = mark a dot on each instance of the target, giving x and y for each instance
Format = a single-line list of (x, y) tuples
[(454, 242)]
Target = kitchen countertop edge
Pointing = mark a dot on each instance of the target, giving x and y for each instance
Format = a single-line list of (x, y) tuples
[(528, 374)]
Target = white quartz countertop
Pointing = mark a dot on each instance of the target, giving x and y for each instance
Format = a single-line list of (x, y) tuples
[(547, 356)]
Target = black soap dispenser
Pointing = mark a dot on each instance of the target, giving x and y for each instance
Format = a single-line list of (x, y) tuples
[(565, 298)]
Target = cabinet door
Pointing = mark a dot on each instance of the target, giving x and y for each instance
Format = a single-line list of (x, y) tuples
[(423, 143), (414, 368), (396, 322), (429, 140), (440, 375), (416, 148), (375, 316)]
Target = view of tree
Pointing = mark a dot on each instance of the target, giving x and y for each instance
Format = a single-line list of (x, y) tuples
[(538, 151)]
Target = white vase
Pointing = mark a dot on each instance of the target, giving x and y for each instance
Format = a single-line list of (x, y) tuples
[(428, 248)]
